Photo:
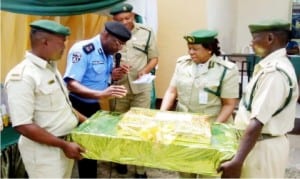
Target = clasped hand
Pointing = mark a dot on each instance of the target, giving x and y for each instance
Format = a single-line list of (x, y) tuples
[(118, 73), (117, 91)]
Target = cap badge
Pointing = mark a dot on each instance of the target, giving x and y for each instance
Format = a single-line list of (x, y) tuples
[(190, 39)]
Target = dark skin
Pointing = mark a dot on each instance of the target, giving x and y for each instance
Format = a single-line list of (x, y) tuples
[(50, 47), (263, 44)]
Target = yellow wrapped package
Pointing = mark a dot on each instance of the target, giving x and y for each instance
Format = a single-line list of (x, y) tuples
[(176, 141)]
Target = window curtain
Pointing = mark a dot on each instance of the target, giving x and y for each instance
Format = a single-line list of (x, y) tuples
[(56, 7), (15, 35)]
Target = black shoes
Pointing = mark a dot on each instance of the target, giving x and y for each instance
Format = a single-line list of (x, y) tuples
[(121, 169), (140, 175)]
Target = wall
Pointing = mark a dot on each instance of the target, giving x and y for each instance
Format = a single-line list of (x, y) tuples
[(221, 16), (229, 17), (254, 10), (175, 19)]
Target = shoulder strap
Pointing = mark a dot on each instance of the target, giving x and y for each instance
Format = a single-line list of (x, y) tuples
[(88, 48), (287, 101), (147, 43)]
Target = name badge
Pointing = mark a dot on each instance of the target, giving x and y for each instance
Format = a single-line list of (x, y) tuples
[(203, 97)]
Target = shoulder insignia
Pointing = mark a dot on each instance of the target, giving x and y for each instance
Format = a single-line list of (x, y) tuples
[(17, 73), (145, 28), (88, 48), (183, 58), (226, 63), (270, 68)]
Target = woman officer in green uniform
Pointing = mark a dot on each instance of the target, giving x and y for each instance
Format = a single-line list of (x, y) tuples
[(202, 81)]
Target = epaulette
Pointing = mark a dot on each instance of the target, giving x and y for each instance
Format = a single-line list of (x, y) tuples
[(269, 68), (225, 63), (88, 48), (145, 28), (183, 58), (17, 73)]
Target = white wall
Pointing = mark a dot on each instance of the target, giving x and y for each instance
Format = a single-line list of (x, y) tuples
[(221, 16), (250, 11), (229, 17)]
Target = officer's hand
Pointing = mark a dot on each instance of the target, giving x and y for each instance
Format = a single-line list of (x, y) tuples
[(117, 91), (230, 169), (119, 72), (141, 73), (72, 150)]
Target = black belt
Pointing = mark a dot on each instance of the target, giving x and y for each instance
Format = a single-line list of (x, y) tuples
[(266, 136), (64, 137)]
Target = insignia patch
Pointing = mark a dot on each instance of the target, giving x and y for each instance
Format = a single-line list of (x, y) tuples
[(190, 39), (76, 57), (88, 48), (51, 82), (97, 62)]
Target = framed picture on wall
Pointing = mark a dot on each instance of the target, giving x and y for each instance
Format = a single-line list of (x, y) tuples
[(296, 19)]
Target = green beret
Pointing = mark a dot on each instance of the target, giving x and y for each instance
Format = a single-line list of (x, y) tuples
[(118, 30), (119, 8), (51, 27), (201, 36), (270, 25)]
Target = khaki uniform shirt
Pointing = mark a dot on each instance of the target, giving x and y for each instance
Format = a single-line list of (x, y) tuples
[(133, 55), (36, 94), (270, 95), (190, 82)]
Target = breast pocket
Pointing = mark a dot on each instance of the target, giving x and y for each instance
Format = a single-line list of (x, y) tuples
[(184, 84), (50, 97), (212, 87), (139, 49), (99, 70)]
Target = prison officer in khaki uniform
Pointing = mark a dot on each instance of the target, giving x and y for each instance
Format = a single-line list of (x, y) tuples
[(140, 54), (39, 105), (267, 110), (202, 81)]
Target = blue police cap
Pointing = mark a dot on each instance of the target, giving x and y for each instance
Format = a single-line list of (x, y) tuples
[(118, 30)]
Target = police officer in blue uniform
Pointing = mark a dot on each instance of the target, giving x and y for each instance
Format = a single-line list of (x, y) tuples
[(88, 76)]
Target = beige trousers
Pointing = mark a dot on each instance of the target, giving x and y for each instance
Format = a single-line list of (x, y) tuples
[(43, 161), (268, 159)]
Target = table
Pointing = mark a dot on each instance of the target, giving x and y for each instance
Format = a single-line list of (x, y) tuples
[(11, 162), (103, 140)]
